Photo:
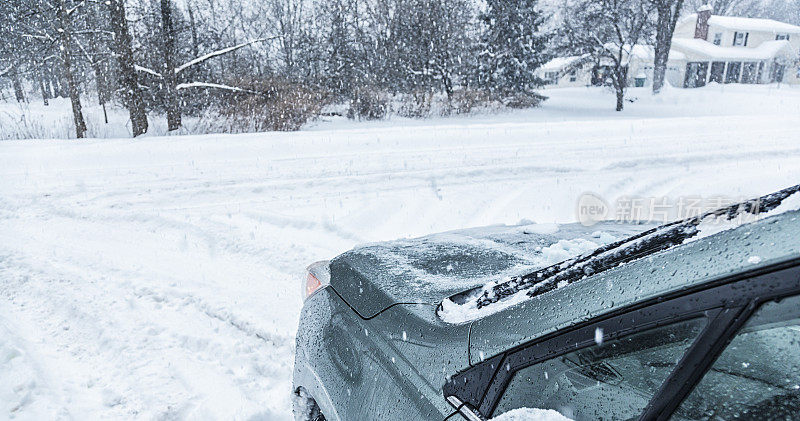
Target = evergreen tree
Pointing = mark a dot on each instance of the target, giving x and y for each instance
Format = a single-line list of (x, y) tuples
[(511, 47)]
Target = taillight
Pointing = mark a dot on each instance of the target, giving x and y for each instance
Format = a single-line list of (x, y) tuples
[(318, 276)]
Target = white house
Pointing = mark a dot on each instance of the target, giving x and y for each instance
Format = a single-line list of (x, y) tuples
[(566, 71), (705, 49)]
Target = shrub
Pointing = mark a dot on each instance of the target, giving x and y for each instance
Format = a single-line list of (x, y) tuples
[(524, 100), (465, 101), (368, 103), (272, 104), (416, 104)]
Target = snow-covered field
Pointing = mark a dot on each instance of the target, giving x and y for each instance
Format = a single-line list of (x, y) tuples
[(160, 277)]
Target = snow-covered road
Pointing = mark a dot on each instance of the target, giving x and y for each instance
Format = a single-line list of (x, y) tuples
[(159, 277)]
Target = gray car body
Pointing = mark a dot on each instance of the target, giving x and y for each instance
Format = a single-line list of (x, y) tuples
[(371, 345)]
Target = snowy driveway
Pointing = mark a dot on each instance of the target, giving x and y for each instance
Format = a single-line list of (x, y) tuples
[(159, 277)]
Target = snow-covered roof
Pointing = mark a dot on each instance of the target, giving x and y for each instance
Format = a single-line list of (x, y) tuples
[(559, 63), (735, 23), (648, 53), (643, 52), (765, 51)]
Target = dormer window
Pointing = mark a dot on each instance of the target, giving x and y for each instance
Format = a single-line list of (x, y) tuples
[(740, 39), (718, 38), (782, 36)]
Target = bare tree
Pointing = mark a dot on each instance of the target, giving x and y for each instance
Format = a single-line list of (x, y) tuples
[(170, 78), (668, 12), (40, 79), (65, 34), (95, 54), (13, 45), (131, 93), (13, 73)]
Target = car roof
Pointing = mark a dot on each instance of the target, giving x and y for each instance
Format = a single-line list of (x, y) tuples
[(759, 244), (373, 277)]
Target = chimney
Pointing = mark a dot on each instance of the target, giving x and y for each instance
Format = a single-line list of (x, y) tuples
[(701, 28)]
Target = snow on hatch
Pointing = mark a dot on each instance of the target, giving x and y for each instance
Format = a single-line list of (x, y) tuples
[(431, 268), (531, 414), (589, 259)]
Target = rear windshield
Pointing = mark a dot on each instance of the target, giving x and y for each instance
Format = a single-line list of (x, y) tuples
[(757, 377), (611, 380)]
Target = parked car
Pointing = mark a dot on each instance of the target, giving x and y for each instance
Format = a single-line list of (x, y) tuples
[(688, 321)]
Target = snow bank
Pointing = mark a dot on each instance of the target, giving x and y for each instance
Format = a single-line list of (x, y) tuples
[(21, 385), (34, 120)]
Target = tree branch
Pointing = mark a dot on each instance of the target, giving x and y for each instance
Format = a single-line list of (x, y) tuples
[(146, 70), (6, 70), (212, 85), (219, 53)]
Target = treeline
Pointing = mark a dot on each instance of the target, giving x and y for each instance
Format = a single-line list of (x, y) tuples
[(273, 64)]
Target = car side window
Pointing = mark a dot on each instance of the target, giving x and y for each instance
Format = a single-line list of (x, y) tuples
[(613, 379), (757, 376)]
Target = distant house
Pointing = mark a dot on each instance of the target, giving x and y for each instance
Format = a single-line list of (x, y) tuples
[(727, 49), (566, 71), (705, 49)]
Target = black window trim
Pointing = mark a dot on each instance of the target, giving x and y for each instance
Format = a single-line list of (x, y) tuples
[(725, 303), (630, 323), (701, 356)]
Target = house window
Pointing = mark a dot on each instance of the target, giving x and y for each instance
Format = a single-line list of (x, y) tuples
[(749, 72), (718, 38), (782, 36), (551, 77), (740, 38), (734, 70), (777, 73), (695, 74), (573, 75), (717, 72)]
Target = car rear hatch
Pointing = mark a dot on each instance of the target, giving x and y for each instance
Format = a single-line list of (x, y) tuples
[(426, 270), (697, 259)]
